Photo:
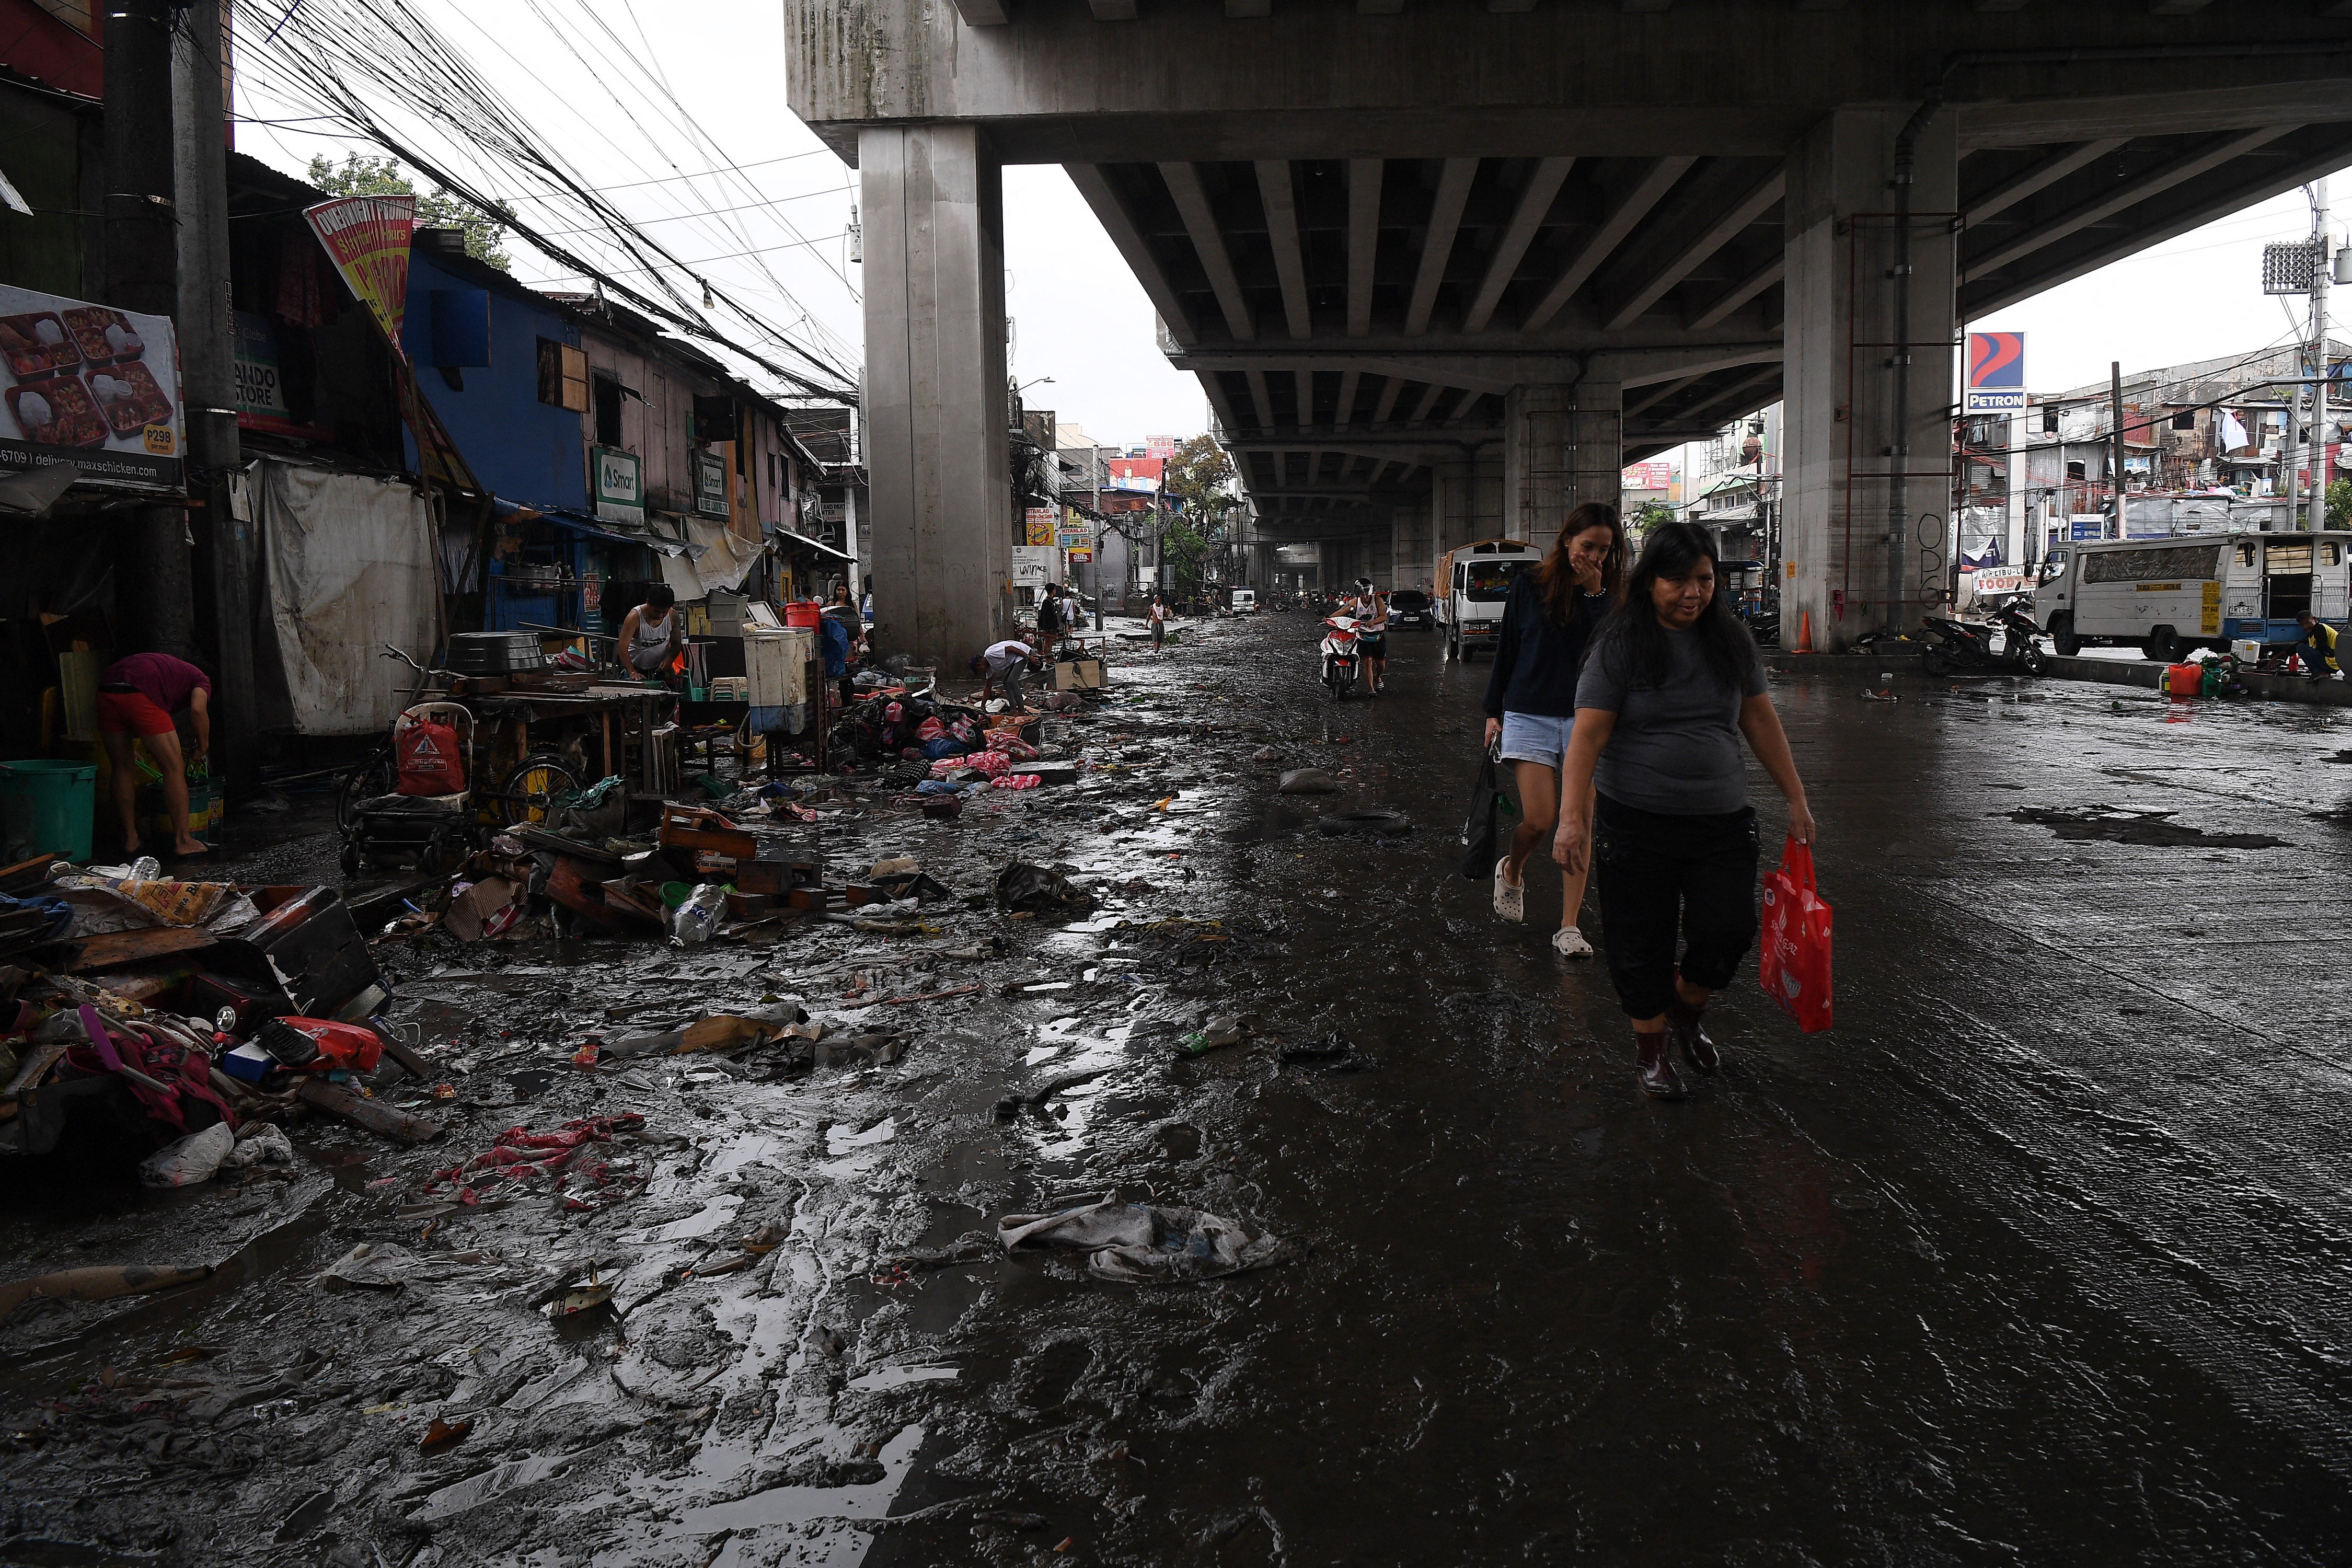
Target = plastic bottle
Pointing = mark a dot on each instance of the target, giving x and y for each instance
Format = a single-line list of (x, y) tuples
[(699, 917)]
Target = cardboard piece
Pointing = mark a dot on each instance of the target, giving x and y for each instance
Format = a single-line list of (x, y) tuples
[(471, 909), (1079, 675)]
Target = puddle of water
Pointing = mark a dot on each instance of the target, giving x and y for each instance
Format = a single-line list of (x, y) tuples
[(838, 1142), (899, 1376), (750, 1149), (802, 1505), (715, 1214)]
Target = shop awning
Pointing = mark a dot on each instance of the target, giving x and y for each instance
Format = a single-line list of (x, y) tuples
[(588, 527), (790, 540)]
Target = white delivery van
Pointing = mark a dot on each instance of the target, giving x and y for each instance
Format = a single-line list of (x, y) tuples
[(1472, 581), (1244, 601), (2167, 596)]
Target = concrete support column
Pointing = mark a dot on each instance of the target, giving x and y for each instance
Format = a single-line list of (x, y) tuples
[(1563, 446), (1851, 359), (1596, 442), (938, 458), (1534, 460), (1457, 516)]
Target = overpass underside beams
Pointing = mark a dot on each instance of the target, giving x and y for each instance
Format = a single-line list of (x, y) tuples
[(1372, 233)]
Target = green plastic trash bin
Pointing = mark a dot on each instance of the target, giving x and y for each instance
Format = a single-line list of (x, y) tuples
[(47, 807)]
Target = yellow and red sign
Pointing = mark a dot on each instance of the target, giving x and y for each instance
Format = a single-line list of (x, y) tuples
[(367, 237)]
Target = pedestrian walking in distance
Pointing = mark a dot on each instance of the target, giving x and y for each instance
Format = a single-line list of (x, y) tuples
[(1548, 621), (1671, 684), (1158, 621)]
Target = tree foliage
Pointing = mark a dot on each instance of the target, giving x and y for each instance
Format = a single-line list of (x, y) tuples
[(1184, 545), (2340, 504), (357, 176), (1197, 476)]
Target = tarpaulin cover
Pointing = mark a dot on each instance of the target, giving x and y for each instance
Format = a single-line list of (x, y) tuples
[(347, 567), (726, 560)]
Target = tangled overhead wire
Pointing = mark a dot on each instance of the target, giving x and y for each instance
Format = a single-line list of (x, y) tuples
[(380, 69)]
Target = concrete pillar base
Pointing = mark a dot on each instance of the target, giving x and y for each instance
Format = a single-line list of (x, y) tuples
[(937, 453)]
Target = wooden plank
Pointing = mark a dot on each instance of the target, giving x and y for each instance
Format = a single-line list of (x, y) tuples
[(373, 1115), (130, 946)]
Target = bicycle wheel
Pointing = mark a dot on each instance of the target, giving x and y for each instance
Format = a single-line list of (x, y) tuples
[(532, 789), (377, 775)]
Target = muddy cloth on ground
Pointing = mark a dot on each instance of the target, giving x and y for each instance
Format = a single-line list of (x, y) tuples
[(1136, 1244), (1020, 886), (522, 1155)]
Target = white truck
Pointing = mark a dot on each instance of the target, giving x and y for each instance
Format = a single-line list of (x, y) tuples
[(1472, 581), (2167, 596)]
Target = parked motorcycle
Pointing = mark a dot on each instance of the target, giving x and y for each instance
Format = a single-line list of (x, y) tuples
[(1966, 647), (1339, 654)]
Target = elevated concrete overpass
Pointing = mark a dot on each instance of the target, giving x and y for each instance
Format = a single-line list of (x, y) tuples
[(1443, 268)]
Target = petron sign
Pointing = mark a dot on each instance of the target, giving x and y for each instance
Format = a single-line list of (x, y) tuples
[(1996, 374)]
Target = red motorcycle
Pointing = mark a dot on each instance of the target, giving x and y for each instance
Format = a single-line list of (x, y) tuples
[(1339, 654)]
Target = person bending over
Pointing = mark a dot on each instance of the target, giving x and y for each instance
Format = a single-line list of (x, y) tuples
[(137, 698), (1007, 662)]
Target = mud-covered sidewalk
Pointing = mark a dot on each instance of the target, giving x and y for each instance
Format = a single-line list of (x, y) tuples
[(2038, 1255)]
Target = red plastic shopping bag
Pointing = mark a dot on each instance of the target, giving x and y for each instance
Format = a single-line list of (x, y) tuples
[(1796, 958)]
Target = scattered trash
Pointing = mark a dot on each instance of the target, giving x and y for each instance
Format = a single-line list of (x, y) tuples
[(1136, 1244), (1036, 890), (260, 1144), (1214, 1035), (191, 1160), (1307, 781), (697, 919), (102, 1283), (443, 1435)]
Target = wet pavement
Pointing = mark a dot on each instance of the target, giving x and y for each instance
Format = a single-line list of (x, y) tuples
[(2040, 1256)]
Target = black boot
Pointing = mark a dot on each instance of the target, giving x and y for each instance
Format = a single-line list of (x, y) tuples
[(1652, 1069), (1682, 1027)]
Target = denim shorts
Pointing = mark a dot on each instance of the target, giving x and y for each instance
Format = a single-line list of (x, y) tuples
[(1536, 738)]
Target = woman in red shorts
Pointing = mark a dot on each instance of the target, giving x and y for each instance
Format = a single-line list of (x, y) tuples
[(136, 698)]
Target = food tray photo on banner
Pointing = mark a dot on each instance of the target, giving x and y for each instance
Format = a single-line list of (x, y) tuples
[(93, 386), (58, 413), (35, 343)]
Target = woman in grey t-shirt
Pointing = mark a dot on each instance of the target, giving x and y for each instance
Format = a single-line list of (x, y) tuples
[(1670, 684)]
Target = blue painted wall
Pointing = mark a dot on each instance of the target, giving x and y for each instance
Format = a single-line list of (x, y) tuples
[(525, 450)]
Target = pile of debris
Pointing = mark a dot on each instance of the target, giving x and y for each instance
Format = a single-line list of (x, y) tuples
[(204, 1012)]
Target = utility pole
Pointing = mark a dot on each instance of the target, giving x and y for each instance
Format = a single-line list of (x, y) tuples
[(2319, 266), (208, 377), (156, 611), (2116, 436)]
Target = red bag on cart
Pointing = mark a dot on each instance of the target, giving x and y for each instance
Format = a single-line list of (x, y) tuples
[(1795, 964), (429, 758)]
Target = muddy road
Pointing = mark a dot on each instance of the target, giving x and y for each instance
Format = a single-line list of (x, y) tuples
[(2042, 1255)]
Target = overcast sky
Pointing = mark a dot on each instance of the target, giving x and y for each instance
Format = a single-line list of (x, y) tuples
[(1078, 315)]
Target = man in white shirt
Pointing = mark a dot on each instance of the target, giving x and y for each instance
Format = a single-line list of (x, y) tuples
[(1008, 661)]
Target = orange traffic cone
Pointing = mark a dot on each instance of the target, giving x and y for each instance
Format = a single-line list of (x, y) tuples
[(1805, 632)]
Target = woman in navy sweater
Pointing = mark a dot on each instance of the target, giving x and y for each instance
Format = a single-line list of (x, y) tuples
[(1531, 696)]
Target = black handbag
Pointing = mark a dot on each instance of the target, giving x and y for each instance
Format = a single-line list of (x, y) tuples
[(1480, 828)]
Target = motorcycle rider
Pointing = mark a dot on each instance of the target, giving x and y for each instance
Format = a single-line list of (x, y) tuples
[(1370, 608)]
